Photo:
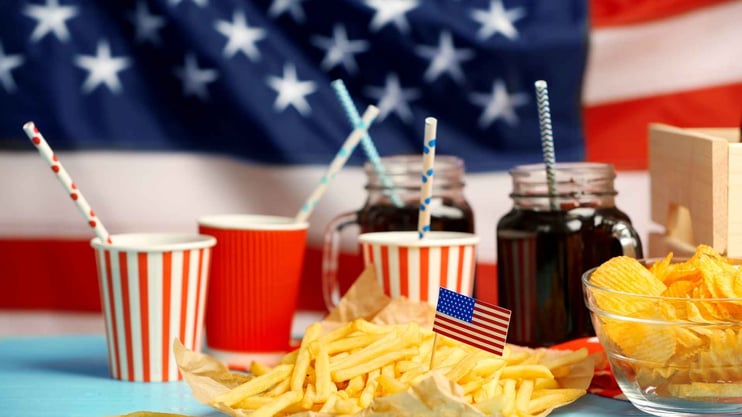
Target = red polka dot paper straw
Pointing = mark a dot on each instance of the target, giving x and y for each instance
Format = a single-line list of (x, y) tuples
[(426, 189), (75, 194)]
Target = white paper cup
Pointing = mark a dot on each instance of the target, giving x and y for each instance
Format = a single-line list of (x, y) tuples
[(407, 266), (153, 290)]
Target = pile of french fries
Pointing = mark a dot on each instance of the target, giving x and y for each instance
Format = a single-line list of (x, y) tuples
[(342, 371)]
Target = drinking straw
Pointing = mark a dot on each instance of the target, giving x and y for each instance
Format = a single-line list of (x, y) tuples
[(547, 139), (337, 163), (426, 189), (47, 153), (368, 145)]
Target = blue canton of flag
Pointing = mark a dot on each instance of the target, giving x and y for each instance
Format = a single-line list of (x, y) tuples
[(468, 320), (252, 78), (455, 305)]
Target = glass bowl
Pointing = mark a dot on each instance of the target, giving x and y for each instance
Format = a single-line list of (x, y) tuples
[(671, 356)]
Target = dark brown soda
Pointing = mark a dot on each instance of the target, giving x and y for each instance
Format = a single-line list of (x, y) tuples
[(450, 217), (541, 256)]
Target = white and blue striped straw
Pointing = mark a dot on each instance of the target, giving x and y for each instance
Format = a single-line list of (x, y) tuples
[(368, 145), (426, 189), (337, 163), (547, 140)]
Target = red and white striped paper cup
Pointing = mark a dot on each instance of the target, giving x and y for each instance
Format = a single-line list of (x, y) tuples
[(407, 266), (254, 286), (153, 290)]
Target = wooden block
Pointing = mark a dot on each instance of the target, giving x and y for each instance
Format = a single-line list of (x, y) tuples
[(695, 184), (660, 245)]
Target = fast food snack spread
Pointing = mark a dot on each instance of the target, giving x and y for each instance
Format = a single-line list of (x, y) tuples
[(352, 367), (672, 330)]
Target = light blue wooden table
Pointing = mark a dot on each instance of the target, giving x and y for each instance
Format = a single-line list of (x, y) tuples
[(68, 376)]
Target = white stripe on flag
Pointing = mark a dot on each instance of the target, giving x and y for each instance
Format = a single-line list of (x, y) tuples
[(677, 58)]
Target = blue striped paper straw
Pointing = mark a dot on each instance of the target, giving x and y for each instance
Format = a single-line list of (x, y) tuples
[(337, 163), (547, 139), (368, 145), (426, 189)]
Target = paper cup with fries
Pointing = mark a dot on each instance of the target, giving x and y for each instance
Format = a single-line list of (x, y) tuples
[(384, 359), (672, 330)]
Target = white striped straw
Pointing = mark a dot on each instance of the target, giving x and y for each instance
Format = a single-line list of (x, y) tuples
[(426, 189), (82, 204), (366, 142), (337, 163), (547, 139)]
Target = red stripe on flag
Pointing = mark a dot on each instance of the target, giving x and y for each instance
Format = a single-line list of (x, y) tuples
[(167, 268), (144, 312), (124, 268), (114, 322), (627, 122), (606, 13)]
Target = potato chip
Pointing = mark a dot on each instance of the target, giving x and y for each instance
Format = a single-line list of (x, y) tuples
[(625, 274), (657, 344), (680, 289), (661, 268)]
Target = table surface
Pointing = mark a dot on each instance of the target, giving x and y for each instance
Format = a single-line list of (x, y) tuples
[(67, 375)]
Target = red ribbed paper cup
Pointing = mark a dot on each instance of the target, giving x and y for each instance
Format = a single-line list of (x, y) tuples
[(153, 290), (415, 268), (254, 286)]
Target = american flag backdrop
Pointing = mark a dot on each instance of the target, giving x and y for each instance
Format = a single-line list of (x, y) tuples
[(167, 110)]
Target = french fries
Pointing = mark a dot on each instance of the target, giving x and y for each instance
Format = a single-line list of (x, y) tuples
[(343, 371)]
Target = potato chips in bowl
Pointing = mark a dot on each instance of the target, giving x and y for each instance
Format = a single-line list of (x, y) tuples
[(672, 330)]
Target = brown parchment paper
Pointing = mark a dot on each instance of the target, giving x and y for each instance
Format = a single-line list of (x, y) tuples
[(434, 396)]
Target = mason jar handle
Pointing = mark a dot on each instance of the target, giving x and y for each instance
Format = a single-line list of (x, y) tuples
[(628, 238), (330, 255)]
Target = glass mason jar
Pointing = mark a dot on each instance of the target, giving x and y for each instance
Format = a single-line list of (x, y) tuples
[(392, 204), (545, 243)]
